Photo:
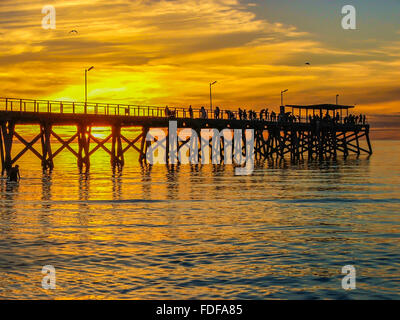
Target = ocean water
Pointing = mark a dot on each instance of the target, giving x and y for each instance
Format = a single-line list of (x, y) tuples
[(188, 232)]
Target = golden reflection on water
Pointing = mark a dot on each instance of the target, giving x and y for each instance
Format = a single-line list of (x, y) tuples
[(201, 232)]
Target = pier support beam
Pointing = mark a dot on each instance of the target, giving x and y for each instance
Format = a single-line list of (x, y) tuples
[(117, 154), (368, 141), (144, 145), (83, 142), (7, 128), (259, 148), (345, 148), (2, 151), (47, 155)]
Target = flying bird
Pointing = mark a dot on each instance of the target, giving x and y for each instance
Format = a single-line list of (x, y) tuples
[(73, 31), (307, 63)]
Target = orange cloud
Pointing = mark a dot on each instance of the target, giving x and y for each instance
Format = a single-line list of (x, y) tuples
[(166, 52)]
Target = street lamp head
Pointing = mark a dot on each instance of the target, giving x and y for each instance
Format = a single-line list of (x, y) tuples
[(90, 68), (285, 90), (213, 83)]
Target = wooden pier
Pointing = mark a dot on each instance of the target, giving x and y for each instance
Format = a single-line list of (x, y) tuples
[(319, 133)]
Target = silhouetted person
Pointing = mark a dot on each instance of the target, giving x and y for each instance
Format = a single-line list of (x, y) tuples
[(14, 174), (230, 114), (273, 116), (216, 113), (166, 111), (261, 114), (203, 113), (190, 112)]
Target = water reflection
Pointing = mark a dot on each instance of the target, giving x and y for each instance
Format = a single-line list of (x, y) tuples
[(146, 181), (83, 211), (172, 181), (9, 193), (178, 232), (116, 180), (44, 215)]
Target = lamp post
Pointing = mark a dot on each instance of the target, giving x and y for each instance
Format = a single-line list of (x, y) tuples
[(86, 71), (211, 84), (282, 92)]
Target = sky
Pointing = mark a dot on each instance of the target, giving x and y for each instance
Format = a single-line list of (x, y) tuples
[(154, 52)]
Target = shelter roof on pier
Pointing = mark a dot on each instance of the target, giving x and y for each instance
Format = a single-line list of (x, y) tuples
[(320, 107)]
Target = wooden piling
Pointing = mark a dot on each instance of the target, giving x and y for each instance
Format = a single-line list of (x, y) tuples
[(47, 155), (143, 147), (8, 128), (117, 154), (83, 146), (2, 152)]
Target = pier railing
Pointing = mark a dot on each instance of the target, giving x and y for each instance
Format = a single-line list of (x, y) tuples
[(67, 107), (109, 109)]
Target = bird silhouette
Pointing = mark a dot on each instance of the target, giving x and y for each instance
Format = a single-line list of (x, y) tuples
[(73, 31), (307, 63)]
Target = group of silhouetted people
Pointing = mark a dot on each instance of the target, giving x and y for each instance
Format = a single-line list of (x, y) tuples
[(266, 115), (360, 119), (350, 119), (170, 113), (247, 115), (263, 115), (313, 119), (231, 115)]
